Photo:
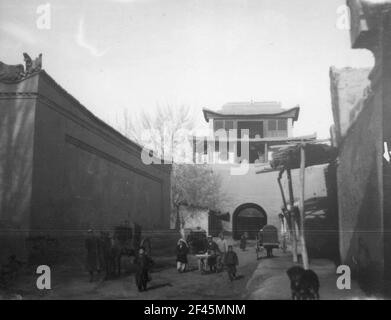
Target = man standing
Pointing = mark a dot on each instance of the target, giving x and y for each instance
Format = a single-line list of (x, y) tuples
[(222, 245), (231, 261), (144, 264), (211, 249), (182, 251)]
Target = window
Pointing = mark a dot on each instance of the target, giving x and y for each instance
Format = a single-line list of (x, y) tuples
[(218, 124), (229, 125), (255, 129), (277, 128), (272, 125), (282, 124)]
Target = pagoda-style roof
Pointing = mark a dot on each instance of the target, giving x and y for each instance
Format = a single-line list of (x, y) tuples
[(253, 110)]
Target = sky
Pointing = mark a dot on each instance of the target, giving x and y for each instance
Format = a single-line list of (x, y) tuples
[(136, 54)]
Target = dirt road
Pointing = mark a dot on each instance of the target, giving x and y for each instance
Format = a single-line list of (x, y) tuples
[(166, 283)]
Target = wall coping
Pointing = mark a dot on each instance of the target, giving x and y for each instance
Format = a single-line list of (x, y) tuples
[(84, 110)]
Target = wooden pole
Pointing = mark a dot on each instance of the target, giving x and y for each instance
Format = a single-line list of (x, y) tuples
[(302, 209), (281, 189), (293, 223)]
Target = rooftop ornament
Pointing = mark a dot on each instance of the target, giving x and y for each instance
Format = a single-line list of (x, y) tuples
[(14, 73)]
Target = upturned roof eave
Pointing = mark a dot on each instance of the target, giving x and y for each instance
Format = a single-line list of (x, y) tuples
[(290, 113)]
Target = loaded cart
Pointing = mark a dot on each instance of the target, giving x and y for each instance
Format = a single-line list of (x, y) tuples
[(267, 239)]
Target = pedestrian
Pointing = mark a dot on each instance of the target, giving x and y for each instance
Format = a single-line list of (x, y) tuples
[(243, 241), (211, 245), (182, 250), (269, 251), (212, 260), (91, 244), (231, 261), (211, 249), (143, 263), (222, 245)]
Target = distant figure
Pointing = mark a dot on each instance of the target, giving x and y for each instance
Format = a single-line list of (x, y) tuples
[(212, 260), (231, 261), (144, 264), (222, 245), (92, 254), (212, 249), (243, 242), (182, 250), (269, 251), (211, 245)]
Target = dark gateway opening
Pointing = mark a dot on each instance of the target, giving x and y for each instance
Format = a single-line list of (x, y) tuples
[(248, 218)]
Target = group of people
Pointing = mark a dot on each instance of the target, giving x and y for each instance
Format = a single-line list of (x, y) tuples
[(218, 254), (102, 255)]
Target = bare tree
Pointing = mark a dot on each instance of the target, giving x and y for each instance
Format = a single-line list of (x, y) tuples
[(164, 131), (195, 185)]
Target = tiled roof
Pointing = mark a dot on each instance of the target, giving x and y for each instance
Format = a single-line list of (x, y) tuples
[(242, 110), (251, 108)]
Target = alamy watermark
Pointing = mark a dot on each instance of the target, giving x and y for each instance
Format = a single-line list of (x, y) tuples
[(221, 147)]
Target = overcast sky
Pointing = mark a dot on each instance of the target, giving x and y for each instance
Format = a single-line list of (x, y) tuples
[(135, 54)]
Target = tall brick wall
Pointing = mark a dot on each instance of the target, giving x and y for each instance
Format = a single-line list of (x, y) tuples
[(16, 155), (347, 87), (80, 173), (360, 178), (360, 187)]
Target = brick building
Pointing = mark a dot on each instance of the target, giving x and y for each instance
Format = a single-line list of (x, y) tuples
[(253, 199)]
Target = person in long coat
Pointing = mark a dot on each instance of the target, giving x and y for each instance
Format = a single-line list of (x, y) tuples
[(143, 264), (182, 250), (231, 261), (92, 247), (243, 241)]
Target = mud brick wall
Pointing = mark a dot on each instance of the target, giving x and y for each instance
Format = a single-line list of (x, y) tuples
[(73, 171), (17, 115), (347, 88), (360, 189)]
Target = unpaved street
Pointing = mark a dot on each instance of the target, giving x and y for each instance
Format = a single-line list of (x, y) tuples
[(166, 283)]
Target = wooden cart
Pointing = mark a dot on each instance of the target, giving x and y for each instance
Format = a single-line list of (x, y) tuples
[(267, 238)]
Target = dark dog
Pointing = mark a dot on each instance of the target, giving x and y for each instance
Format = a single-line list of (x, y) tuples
[(304, 284), (309, 286), (295, 274)]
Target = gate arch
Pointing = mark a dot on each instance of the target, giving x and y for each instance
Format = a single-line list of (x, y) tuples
[(250, 218)]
